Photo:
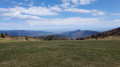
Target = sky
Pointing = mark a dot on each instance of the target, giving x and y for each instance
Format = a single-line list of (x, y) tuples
[(59, 15)]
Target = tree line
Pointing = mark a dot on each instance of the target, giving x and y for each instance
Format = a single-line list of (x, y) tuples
[(49, 37), (3, 35)]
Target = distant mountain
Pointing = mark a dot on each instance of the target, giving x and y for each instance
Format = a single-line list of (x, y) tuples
[(79, 33), (72, 34), (114, 32), (25, 33)]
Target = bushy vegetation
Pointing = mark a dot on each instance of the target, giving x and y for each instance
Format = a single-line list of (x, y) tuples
[(80, 39), (53, 37), (2, 35), (114, 32), (49, 37)]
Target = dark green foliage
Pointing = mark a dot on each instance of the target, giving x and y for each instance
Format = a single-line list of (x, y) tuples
[(2, 35), (80, 39), (53, 37), (114, 32), (6, 34), (26, 37)]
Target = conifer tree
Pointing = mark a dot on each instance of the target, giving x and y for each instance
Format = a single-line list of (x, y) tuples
[(2, 35), (6, 34)]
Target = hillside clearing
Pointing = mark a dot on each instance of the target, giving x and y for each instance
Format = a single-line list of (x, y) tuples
[(87, 53)]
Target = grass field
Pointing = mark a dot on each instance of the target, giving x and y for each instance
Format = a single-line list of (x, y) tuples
[(87, 53)]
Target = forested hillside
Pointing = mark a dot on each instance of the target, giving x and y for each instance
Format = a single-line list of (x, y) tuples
[(114, 32)]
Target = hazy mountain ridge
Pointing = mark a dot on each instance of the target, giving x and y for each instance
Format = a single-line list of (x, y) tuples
[(25, 33), (71, 34), (79, 33)]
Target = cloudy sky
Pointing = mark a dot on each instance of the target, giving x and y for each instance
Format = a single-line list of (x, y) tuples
[(59, 15)]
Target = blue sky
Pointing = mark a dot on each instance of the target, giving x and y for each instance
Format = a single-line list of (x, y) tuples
[(59, 15)]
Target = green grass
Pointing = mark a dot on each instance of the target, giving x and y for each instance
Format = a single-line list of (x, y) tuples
[(110, 38), (18, 39), (88, 53)]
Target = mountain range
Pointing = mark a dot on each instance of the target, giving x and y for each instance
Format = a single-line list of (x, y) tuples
[(79, 33), (71, 34), (25, 33)]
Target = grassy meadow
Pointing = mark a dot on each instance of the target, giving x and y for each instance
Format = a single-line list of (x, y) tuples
[(86, 53)]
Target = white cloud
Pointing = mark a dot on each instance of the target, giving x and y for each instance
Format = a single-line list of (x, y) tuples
[(20, 3), (97, 12), (3, 9), (5, 18), (40, 11), (33, 12), (74, 3), (67, 21), (116, 14), (43, 4), (19, 16), (28, 13), (56, 8), (73, 22), (85, 2), (77, 10), (94, 12), (65, 5), (118, 20)]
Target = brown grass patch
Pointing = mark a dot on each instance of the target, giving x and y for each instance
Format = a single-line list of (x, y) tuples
[(14, 46)]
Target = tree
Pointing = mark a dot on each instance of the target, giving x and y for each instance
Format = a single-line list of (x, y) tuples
[(6, 34), (26, 38), (2, 35)]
